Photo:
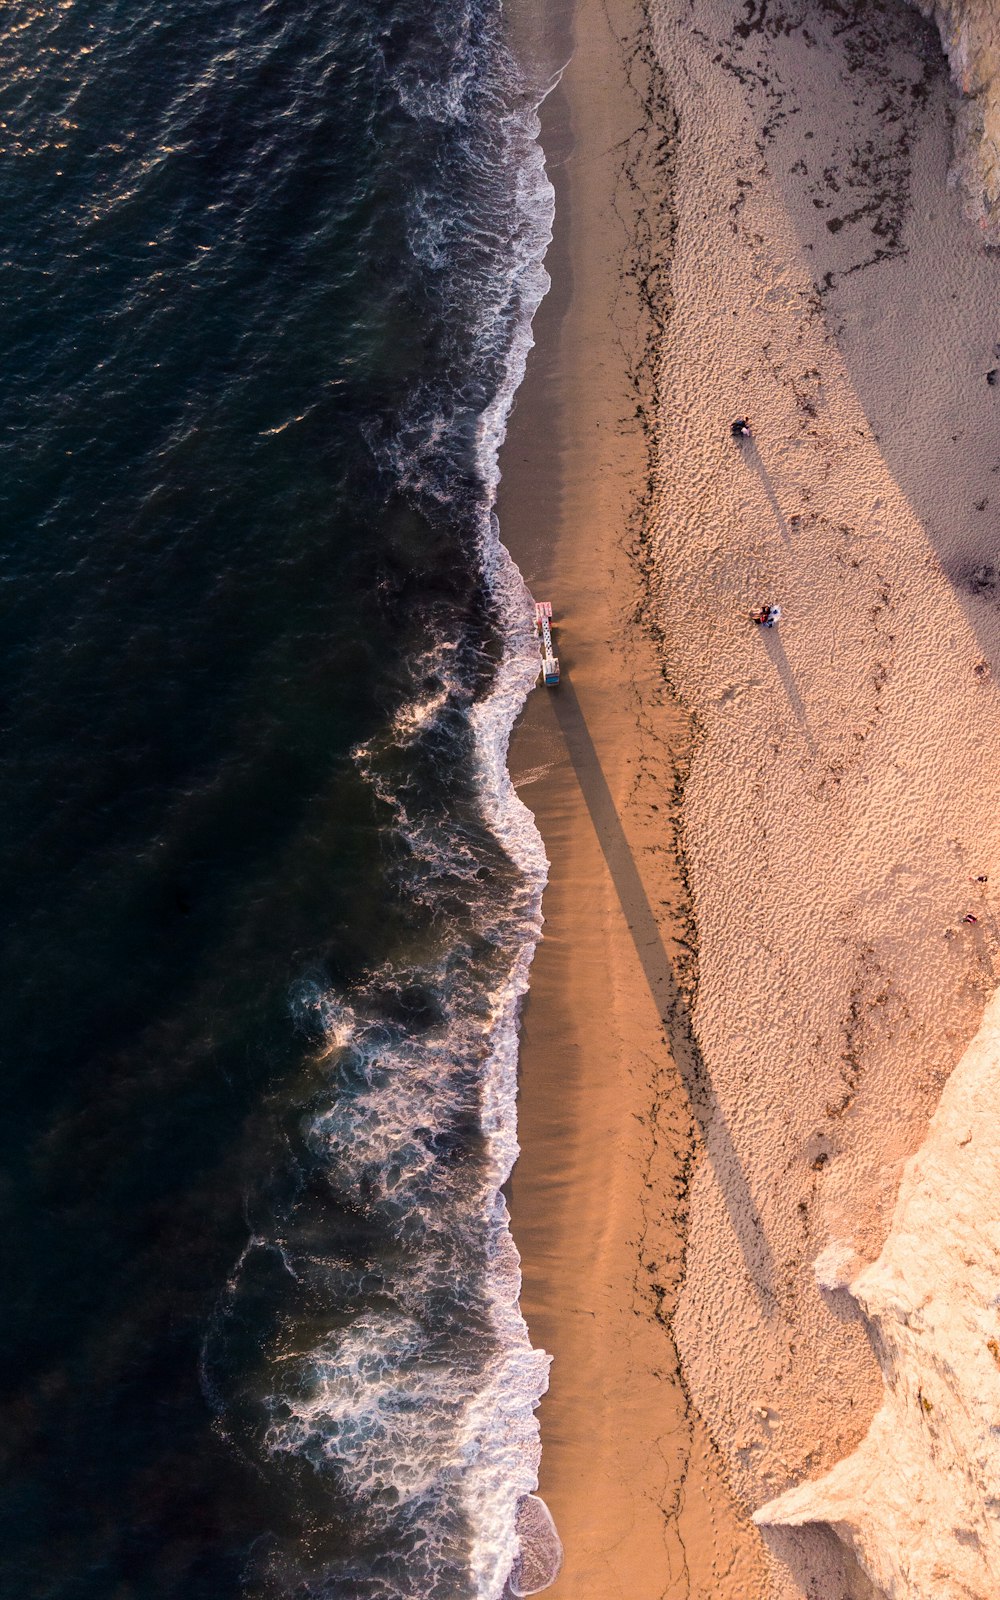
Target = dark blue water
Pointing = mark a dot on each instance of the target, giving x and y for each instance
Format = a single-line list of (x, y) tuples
[(267, 898)]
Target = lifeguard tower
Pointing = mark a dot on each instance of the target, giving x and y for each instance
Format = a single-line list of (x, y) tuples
[(543, 628)]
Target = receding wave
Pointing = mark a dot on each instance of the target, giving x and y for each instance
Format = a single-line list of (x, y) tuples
[(416, 1400)]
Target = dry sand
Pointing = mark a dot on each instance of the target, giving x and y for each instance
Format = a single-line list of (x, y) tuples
[(820, 277), (843, 789)]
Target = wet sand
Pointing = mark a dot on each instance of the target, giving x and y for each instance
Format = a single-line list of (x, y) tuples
[(757, 220), (599, 1195)]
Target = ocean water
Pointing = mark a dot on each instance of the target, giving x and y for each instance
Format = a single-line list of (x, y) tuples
[(268, 899)]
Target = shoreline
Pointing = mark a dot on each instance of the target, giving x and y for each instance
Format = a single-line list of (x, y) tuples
[(627, 1470), (824, 280)]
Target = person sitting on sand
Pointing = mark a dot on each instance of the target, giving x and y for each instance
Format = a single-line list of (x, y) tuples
[(740, 429), (767, 616)]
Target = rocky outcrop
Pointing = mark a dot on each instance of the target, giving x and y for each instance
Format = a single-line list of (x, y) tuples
[(970, 33), (919, 1500)]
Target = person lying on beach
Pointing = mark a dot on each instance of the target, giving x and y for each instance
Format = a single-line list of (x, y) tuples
[(740, 429)]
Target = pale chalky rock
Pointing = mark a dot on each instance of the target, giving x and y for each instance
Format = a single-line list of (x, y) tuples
[(970, 33), (919, 1500)]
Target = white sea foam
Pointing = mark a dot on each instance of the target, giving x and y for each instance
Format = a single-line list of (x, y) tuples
[(439, 96), (511, 1471), (541, 1553), (393, 1409), (381, 1402)]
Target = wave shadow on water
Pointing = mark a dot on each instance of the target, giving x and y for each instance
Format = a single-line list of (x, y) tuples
[(663, 986)]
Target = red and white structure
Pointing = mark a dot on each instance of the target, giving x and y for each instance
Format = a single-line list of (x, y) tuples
[(543, 628)]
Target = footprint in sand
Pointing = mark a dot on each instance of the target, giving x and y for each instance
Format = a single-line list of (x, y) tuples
[(736, 691), (533, 774)]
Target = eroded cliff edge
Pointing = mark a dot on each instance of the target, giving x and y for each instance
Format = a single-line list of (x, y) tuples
[(970, 34), (919, 1499)]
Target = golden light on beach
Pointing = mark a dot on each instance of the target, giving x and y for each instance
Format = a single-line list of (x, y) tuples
[(768, 790)]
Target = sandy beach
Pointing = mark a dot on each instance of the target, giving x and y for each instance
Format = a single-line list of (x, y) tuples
[(599, 1194), (842, 798), (756, 977)]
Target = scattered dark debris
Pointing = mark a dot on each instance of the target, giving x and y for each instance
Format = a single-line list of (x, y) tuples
[(983, 580)]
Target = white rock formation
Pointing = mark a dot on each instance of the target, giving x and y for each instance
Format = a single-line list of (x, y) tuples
[(970, 33), (919, 1500)]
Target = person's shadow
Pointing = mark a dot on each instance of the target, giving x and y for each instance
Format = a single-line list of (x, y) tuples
[(752, 453), (981, 945), (776, 650), (667, 997)]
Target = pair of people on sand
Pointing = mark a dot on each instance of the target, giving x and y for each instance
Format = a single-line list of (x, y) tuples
[(767, 616)]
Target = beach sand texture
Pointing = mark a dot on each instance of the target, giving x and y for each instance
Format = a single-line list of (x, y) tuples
[(763, 225), (827, 284), (598, 1195)]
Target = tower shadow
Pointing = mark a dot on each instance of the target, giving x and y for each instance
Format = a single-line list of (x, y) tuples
[(665, 991)]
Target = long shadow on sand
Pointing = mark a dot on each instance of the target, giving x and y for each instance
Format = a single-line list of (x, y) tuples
[(754, 458), (905, 319), (663, 987), (776, 650)]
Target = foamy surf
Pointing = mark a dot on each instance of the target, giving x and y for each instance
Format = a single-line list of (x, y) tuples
[(424, 1409), (291, 978)]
